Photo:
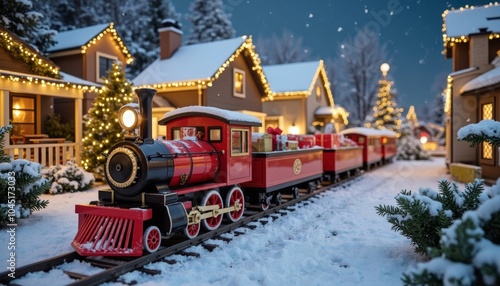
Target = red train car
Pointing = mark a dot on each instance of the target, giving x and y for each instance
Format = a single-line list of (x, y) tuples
[(280, 172), (339, 159), (371, 140), (389, 146)]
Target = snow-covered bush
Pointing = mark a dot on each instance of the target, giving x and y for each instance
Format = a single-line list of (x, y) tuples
[(420, 217), (68, 178), (409, 147), (21, 184), (469, 250)]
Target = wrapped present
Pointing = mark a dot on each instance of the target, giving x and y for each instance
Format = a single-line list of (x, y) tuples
[(307, 141), (261, 142), (188, 132), (292, 144), (274, 132), (329, 140)]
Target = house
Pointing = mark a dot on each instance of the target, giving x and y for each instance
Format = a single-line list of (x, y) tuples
[(87, 53), (472, 41), (226, 74), (30, 83), (301, 98)]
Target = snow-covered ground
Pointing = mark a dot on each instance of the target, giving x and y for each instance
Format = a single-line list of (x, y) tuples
[(336, 239)]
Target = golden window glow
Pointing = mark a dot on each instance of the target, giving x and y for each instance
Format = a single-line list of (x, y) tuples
[(239, 83), (487, 113)]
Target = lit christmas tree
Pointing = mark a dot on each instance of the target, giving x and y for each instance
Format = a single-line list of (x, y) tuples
[(101, 127), (411, 117), (386, 115)]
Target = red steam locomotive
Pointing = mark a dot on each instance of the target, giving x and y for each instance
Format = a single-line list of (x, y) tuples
[(204, 170)]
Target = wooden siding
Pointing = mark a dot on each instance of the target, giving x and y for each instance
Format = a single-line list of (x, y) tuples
[(7, 62), (71, 64), (220, 94)]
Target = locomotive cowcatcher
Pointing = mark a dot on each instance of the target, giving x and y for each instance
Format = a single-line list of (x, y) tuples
[(159, 187)]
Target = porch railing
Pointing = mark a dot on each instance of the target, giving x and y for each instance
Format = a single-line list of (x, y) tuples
[(45, 154)]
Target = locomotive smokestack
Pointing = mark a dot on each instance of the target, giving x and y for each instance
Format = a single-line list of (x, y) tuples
[(145, 106)]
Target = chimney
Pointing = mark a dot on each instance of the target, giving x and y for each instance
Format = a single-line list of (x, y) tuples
[(170, 38), (479, 48)]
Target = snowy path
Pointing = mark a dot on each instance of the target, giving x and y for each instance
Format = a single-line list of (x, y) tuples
[(336, 240)]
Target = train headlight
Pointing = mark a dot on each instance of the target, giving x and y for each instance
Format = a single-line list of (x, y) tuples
[(129, 116)]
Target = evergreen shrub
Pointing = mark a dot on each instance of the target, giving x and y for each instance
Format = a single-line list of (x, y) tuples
[(68, 178)]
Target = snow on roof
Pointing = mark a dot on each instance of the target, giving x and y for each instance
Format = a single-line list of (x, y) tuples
[(463, 22), (462, 71), (368, 131), (73, 79), (486, 79), (191, 62), (76, 38), (291, 77), (323, 110), (231, 117)]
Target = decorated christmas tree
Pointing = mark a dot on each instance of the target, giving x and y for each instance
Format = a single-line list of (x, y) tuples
[(101, 127), (386, 114)]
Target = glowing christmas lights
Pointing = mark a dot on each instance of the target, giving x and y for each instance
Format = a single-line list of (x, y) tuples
[(451, 41)]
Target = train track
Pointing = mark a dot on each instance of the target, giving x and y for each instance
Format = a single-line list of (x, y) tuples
[(113, 268)]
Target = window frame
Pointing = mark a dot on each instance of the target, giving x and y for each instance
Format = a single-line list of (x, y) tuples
[(244, 142), (236, 93), (482, 160), (109, 57), (34, 111)]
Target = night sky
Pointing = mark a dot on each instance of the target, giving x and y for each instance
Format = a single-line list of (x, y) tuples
[(412, 34)]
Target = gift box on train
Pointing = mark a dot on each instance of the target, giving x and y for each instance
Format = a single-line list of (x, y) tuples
[(261, 142), (329, 140), (304, 141)]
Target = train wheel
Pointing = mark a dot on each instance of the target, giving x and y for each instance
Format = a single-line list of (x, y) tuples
[(264, 206), (295, 192), (277, 199), (192, 230), (212, 198), (152, 239), (234, 196)]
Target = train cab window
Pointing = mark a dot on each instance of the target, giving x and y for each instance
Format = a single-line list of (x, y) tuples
[(214, 134), (176, 133), (239, 142)]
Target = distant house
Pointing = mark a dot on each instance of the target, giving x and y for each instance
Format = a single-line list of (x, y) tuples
[(472, 42), (225, 74), (29, 85), (87, 53), (301, 98)]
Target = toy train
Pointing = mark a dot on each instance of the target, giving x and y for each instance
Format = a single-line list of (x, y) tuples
[(204, 170)]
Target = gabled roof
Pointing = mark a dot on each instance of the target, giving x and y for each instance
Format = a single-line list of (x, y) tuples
[(82, 38), (42, 70), (198, 64), (458, 24), (297, 78), (21, 50)]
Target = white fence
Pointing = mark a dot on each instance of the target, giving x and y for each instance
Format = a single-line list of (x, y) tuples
[(45, 154)]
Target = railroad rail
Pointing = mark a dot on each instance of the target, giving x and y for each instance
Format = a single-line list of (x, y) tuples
[(113, 267)]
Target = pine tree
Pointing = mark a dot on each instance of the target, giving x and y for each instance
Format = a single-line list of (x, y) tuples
[(101, 128), (4, 130), (19, 18), (210, 22), (386, 113)]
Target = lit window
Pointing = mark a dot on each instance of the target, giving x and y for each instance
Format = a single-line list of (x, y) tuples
[(215, 134), (487, 113), (239, 83), (104, 63), (23, 115), (318, 93), (239, 142)]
